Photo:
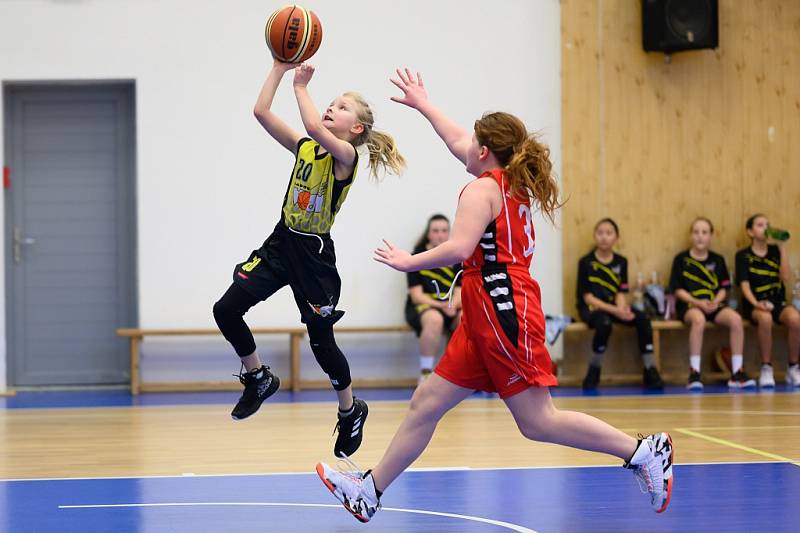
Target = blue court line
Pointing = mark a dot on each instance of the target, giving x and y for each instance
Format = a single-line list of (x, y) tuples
[(716, 497), (122, 398)]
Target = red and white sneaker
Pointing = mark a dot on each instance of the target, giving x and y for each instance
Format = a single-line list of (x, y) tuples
[(652, 465), (355, 489), (740, 380)]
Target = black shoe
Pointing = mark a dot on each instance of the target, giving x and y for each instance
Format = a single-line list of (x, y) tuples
[(351, 429), (592, 378), (695, 383), (740, 380), (259, 384), (652, 379)]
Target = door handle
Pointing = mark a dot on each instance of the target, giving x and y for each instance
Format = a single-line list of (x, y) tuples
[(19, 242)]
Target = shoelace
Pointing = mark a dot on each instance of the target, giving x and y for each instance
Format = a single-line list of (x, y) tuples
[(240, 375), (346, 467), (243, 375)]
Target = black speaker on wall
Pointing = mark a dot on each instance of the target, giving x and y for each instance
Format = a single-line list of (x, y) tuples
[(675, 25)]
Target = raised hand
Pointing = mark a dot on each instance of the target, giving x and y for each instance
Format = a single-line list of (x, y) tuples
[(303, 74), (282, 66), (394, 257), (413, 89)]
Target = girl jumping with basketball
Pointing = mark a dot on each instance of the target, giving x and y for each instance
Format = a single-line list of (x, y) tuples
[(499, 345), (300, 251)]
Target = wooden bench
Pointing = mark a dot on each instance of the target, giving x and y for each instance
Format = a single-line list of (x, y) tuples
[(296, 335), (658, 326)]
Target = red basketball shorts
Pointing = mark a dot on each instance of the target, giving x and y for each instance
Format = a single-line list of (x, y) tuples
[(499, 344)]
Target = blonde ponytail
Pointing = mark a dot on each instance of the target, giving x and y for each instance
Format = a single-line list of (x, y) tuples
[(381, 146), (383, 153)]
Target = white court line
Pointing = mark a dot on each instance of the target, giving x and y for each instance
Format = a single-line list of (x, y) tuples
[(507, 525), (636, 397), (420, 470), (59, 412)]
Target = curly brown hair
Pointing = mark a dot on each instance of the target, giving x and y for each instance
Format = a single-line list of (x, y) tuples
[(524, 157)]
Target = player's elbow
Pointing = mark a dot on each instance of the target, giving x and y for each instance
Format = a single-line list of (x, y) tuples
[(262, 115), (462, 251)]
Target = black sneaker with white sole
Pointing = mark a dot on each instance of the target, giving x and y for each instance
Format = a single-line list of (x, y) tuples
[(695, 381), (259, 384), (351, 429)]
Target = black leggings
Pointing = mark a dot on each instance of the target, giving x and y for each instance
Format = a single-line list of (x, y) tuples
[(229, 313), (600, 322)]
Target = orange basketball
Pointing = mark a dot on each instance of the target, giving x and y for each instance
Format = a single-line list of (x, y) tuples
[(293, 33)]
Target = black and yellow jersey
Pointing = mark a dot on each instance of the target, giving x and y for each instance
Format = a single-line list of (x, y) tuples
[(314, 196), (702, 278), (602, 280), (435, 282), (763, 273)]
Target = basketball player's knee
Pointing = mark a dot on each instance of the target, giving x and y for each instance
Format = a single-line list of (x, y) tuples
[(599, 345), (539, 427), (600, 340), (697, 320), (432, 322), (534, 430), (603, 327), (424, 404), (765, 320), (223, 313), (319, 332)]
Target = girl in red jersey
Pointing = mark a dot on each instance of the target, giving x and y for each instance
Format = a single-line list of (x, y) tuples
[(499, 345)]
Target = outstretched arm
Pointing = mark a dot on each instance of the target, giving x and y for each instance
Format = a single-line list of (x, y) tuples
[(454, 136), (278, 129), (342, 151)]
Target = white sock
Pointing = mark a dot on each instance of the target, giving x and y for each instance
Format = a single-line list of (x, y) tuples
[(736, 363), (694, 362), (426, 363)]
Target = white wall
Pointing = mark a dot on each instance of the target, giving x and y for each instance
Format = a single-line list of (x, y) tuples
[(210, 181)]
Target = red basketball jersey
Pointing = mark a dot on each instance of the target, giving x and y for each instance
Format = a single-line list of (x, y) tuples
[(509, 239)]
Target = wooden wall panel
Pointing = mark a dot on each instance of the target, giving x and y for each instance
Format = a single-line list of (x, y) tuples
[(651, 144)]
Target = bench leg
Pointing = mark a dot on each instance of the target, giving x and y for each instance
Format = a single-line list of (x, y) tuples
[(294, 355), (657, 348), (135, 341)]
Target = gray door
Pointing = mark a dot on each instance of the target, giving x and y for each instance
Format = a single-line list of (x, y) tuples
[(70, 232)]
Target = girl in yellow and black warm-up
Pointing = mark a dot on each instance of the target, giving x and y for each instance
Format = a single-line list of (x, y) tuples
[(426, 311), (700, 283), (602, 284), (762, 270)]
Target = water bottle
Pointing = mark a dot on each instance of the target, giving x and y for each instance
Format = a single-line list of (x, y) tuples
[(638, 293), (796, 290), (777, 234), (655, 297)]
